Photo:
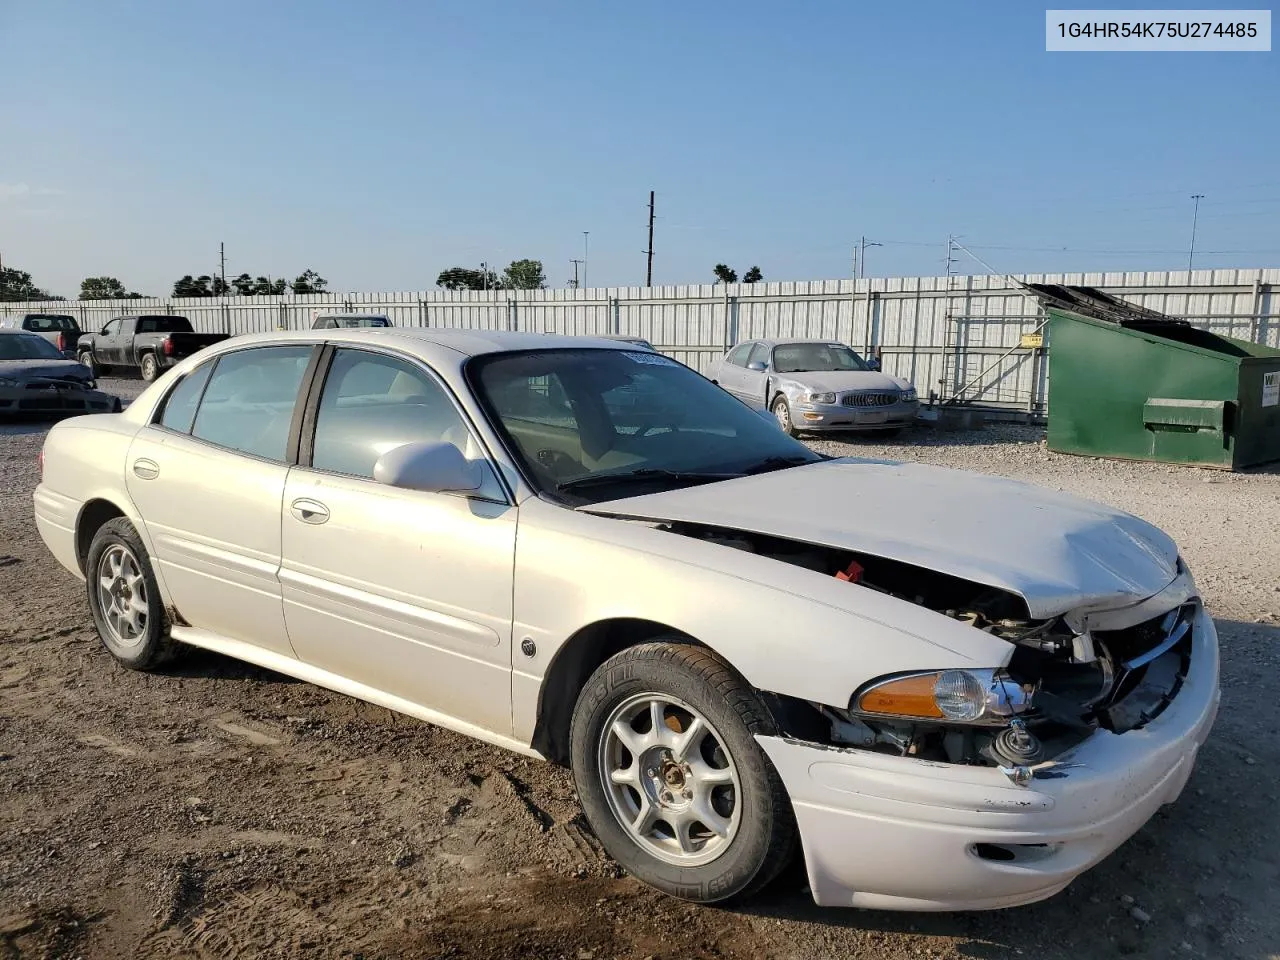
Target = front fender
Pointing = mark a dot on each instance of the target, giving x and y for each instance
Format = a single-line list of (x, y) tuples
[(784, 628), (793, 391)]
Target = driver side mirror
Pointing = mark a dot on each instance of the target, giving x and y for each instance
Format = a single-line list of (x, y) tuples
[(759, 366), (429, 467)]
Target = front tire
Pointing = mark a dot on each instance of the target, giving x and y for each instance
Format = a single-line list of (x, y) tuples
[(86, 358), (671, 778), (150, 368), (782, 413), (125, 599)]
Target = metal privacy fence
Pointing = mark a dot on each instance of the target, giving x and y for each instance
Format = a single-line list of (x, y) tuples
[(968, 339)]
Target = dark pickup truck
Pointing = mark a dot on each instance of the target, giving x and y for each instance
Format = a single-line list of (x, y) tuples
[(152, 344)]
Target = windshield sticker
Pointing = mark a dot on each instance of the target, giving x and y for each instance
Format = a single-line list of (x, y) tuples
[(655, 358)]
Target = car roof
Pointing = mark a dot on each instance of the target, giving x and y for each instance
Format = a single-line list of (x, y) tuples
[(785, 341), (470, 343)]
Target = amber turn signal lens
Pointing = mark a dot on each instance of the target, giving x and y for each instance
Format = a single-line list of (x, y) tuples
[(907, 697)]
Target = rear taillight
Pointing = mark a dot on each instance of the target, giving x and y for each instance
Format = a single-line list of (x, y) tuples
[(168, 346), (62, 342)]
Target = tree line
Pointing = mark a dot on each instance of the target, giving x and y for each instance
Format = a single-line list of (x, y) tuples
[(17, 286), (247, 286), (518, 275), (726, 274), (525, 274)]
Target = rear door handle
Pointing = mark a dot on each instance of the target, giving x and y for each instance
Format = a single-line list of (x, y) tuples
[(145, 469), (309, 511)]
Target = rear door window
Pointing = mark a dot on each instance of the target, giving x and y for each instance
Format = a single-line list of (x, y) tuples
[(249, 400)]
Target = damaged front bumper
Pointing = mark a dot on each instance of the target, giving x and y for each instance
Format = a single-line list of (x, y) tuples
[(898, 833)]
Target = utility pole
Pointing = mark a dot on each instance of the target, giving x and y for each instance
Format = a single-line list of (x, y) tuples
[(575, 272), (862, 258), (484, 276), (585, 235), (1195, 215), (222, 266), (648, 273)]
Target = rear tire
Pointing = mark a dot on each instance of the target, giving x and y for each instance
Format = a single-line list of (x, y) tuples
[(125, 599), (150, 368), (694, 809)]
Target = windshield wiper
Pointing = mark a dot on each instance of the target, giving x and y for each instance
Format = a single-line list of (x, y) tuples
[(643, 475), (778, 463)]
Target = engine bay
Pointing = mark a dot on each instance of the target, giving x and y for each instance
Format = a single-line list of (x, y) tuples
[(1071, 682)]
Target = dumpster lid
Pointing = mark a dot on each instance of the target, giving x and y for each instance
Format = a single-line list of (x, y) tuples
[(1092, 302)]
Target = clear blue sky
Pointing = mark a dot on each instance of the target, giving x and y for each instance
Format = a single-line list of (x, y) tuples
[(379, 142)]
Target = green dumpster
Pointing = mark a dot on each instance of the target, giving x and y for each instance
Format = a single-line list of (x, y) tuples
[(1131, 383)]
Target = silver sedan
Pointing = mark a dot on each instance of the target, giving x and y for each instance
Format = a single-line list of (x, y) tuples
[(816, 385)]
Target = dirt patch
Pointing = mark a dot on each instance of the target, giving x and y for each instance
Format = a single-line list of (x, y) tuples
[(220, 810)]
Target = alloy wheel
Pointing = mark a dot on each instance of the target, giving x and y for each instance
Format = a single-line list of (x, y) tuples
[(122, 595), (669, 779)]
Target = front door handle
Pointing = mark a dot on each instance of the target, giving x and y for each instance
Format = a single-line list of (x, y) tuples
[(309, 511), (145, 469)]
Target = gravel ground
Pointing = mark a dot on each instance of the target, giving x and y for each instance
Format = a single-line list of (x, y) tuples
[(219, 810)]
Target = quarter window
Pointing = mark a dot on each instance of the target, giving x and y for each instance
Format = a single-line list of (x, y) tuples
[(248, 403), (180, 407), (373, 403)]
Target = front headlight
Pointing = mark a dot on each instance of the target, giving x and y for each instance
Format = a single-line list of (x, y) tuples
[(909, 394), (958, 696), (820, 397)]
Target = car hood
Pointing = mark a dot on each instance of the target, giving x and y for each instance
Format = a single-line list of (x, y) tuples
[(47, 369), (1058, 552), (838, 381)]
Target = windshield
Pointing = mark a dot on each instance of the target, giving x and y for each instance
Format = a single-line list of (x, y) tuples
[(591, 425), (163, 325), (806, 357), (17, 346), (51, 322)]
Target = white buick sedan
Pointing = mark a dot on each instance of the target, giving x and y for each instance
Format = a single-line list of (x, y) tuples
[(950, 691)]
